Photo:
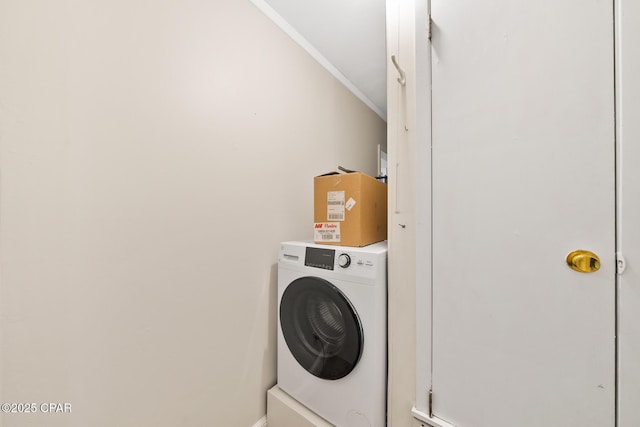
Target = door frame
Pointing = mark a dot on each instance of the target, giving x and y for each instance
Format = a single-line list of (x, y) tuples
[(627, 64), (423, 170)]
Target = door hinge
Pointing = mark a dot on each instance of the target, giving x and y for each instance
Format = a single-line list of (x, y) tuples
[(430, 396), (621, 263), (429, 25)]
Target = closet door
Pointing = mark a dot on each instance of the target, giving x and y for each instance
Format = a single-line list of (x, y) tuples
[(523, 176)]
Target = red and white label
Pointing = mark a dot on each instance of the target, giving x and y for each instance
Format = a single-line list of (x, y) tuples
[(326, 232)]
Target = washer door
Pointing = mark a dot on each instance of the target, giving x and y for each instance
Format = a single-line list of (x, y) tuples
[(321, 328)]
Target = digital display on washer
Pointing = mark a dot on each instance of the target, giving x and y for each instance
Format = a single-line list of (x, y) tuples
[(319, 258)]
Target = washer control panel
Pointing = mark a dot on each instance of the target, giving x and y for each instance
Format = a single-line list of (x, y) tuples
[(367, 262), (328, 258)]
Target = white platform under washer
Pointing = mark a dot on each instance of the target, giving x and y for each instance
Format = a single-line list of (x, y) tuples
[(332, 330)]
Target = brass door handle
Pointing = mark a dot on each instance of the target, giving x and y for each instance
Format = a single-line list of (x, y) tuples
[(583, 261)]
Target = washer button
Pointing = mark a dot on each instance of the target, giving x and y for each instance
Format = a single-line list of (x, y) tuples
[(344, 260)]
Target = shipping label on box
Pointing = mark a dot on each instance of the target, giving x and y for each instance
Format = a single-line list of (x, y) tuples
[(327, 232), (335, 205)]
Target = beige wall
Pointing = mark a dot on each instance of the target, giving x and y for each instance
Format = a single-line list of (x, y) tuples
[(152, 156)]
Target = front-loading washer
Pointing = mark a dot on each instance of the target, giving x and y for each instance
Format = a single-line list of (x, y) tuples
[(332, 330)]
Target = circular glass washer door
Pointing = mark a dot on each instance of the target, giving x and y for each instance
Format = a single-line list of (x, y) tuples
[(321, 328)]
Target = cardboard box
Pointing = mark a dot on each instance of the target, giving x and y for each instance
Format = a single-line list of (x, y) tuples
[(350, 209)]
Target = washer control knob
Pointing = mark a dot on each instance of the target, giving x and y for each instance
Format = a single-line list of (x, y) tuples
[(344, 260)]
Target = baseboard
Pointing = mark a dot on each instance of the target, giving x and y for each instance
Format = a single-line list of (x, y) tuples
[(432, 421), (262, 422)]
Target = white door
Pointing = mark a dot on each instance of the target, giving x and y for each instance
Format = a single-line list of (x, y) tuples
[(523, 174)]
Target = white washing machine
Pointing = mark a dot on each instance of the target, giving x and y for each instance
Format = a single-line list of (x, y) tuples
[(332, 330)]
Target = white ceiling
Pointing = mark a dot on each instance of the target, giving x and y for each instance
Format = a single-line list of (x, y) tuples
[(347, 37)]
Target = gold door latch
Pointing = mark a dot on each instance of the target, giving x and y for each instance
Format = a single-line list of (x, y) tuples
[(583, 261)]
